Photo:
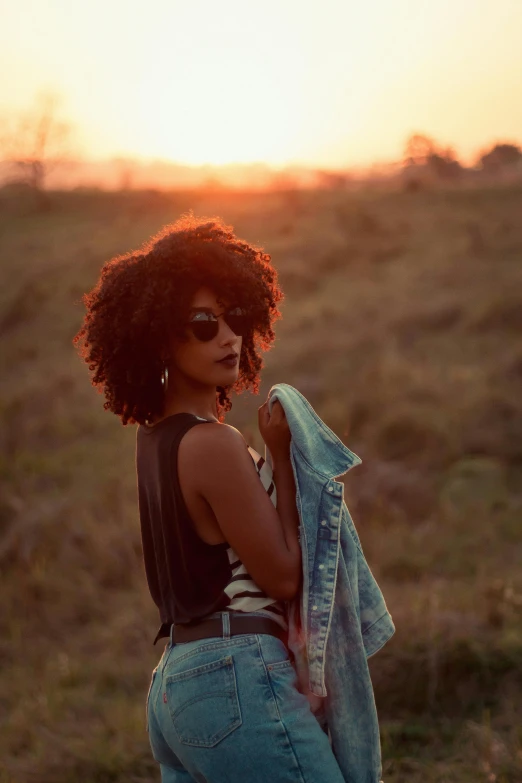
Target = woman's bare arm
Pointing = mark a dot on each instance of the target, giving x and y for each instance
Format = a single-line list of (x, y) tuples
[(214, 459)]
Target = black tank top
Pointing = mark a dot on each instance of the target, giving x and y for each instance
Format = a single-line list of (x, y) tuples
[(186, 576)]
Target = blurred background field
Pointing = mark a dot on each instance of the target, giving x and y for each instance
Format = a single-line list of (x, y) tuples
[(402, 325)]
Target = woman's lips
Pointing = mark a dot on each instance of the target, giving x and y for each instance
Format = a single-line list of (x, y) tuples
[(229, 362)]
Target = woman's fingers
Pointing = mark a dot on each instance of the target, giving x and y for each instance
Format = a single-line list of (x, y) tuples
[(263, 414), (279, 411)]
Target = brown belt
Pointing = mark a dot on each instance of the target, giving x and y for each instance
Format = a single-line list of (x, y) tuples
[(188, 632)]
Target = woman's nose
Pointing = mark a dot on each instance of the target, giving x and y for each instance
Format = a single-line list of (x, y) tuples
[(226, 332)]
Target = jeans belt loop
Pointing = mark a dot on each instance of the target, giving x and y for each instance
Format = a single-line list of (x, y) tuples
[(225, 619)]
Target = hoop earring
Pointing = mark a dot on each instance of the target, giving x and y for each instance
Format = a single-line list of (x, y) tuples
[(165, 379)]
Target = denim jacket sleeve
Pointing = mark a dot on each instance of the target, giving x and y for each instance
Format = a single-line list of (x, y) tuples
[(340, 617)]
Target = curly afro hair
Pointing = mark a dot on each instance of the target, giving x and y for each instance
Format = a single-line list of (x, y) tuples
[(142, 298)]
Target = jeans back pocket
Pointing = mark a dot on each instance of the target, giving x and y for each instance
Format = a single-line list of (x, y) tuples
[(203, 702)]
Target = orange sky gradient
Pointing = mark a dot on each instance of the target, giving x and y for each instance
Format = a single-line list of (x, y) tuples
[(331, 84)]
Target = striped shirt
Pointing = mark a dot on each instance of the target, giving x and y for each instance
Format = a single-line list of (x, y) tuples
[(245, 595)]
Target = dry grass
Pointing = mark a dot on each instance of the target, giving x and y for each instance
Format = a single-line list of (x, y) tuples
[(402, 326)]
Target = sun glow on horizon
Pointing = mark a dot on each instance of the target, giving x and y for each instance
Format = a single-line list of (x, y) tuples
[(333, 84), (209, 125)]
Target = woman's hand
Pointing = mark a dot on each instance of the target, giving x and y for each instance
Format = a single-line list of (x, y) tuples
[(274, 430)]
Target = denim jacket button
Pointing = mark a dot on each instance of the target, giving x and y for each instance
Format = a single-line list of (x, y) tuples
[(314, 607), (321, 566), (323, 522), (330, 489)]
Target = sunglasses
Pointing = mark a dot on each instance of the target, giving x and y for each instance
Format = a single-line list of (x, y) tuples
[(204, 324)]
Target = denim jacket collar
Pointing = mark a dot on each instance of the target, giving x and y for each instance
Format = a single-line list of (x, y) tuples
[(328, 451)]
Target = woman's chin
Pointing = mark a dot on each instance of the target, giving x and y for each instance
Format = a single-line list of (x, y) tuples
[(228, 377)]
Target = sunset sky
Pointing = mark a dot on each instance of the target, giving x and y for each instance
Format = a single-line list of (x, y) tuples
[(329, 83)]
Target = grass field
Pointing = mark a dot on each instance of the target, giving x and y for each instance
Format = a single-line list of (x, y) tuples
[(402, 325)]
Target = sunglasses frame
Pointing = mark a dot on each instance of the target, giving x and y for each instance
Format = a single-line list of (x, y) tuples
[(212, 319)]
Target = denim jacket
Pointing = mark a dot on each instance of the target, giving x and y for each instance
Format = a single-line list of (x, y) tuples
[(339, 618)]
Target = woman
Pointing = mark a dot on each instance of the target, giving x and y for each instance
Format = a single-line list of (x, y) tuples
[(219, 529)]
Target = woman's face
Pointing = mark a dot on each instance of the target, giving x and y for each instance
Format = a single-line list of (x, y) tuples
[(200, 360)]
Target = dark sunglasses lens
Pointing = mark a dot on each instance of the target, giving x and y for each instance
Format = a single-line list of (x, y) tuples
[(204, 330), (238, 323)]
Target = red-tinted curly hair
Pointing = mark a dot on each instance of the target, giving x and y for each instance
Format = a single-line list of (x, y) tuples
[(141, 301)]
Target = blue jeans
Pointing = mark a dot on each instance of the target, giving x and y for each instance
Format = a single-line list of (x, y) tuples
[(228, 710)]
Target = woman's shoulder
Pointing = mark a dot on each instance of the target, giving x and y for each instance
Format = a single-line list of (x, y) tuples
[(225, 436), (214, 439)]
